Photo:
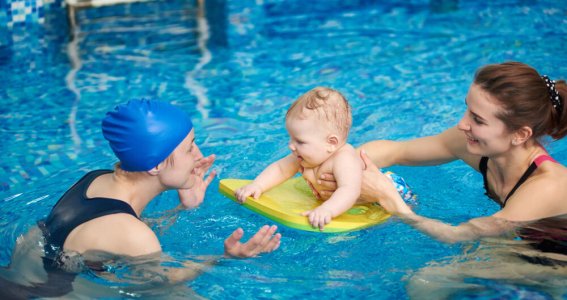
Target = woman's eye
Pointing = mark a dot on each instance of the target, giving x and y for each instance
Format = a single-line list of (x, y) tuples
[(477, 120)]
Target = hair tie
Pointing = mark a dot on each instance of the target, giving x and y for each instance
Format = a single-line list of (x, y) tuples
[(556, 100)]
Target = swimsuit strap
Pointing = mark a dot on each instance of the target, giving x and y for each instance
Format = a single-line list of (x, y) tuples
[(524, 177), (544, 157), (483, 168)]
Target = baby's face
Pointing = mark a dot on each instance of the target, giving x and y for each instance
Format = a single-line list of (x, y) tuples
[(308, 140)]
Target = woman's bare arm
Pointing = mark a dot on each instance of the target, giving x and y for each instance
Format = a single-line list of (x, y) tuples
[(379, 188), (432, 150)]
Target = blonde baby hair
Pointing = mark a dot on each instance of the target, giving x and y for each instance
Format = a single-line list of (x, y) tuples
[(327, 105)]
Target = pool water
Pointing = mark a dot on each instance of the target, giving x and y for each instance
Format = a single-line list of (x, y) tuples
[(236, 66)]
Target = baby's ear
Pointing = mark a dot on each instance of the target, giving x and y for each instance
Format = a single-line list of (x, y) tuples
[(333, 142), (333, 139)]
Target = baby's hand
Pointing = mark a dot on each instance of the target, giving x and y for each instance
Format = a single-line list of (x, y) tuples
[(319, 217), (252, 189)]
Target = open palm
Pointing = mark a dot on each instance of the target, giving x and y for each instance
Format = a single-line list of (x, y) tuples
[(194, 196)]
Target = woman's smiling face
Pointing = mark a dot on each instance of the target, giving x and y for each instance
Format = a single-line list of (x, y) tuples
[(486, 134)]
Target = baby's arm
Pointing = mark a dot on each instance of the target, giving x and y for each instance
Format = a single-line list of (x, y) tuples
[(347, 170), (273, 175)]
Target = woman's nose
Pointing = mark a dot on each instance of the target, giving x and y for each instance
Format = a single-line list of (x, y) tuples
[(464, 123)]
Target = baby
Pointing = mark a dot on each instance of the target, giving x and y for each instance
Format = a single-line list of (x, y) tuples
[(318, 124)]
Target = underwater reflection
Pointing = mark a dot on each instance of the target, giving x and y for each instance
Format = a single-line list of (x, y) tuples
[(531, 256), (31, 273), (528, 256)]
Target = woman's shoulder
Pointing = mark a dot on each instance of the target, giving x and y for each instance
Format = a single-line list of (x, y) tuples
[(552, 179), (550, 176), (541, 196), (552, 166), (116, 233)]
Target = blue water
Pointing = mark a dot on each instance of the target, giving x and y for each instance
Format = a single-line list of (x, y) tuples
[(405, 69)]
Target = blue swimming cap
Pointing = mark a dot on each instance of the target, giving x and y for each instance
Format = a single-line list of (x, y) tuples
[(142, 133)]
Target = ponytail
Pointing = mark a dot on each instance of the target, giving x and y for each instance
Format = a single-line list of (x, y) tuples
[(559, 131)]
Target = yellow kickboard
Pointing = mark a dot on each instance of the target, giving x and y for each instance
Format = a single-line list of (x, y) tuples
[(285, 203)]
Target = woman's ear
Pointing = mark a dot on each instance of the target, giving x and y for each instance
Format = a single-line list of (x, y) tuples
[(522, 135), (155, 170)]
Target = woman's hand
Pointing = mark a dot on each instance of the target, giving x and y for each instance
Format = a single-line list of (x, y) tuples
[(328, 185), (377, 187), (193, 197), (265, 240)]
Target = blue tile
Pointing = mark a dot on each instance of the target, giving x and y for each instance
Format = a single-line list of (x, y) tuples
[(4, 186)]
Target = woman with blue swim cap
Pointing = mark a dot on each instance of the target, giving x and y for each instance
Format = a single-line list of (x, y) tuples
[(155, 144)]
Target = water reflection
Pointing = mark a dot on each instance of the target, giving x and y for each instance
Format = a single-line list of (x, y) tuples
[(515, 258), (530, 256), (95, 273)]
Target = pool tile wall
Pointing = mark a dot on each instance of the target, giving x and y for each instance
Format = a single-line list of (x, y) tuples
[(19, 13)]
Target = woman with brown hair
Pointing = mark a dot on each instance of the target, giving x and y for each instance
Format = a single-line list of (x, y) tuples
[(510, 108)]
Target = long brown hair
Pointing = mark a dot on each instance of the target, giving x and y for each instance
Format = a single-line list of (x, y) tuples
[(525, 98)]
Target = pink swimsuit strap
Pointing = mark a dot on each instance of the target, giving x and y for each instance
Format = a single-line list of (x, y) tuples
[(544, 157)]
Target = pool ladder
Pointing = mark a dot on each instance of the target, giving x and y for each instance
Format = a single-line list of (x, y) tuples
[(74, 5)]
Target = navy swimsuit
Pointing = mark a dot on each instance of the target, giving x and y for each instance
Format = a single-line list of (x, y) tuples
[(483, 167), (74, 209)]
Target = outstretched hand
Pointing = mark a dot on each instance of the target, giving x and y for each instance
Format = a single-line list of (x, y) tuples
[(244, 192), (318, 217), (265, 240), (193, 197)]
